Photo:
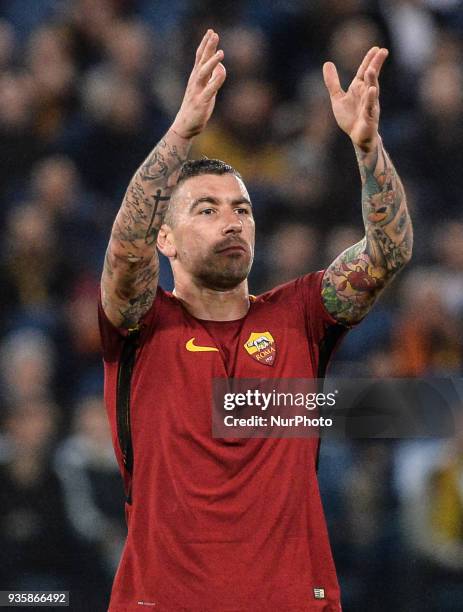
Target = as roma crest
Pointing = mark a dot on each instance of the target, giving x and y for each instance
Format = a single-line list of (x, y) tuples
[(261, 346)]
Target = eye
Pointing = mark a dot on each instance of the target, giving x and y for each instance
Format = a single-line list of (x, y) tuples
[(242, 211), (207, 211)]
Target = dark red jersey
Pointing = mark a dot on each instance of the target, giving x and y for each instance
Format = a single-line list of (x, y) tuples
[(221, 525)]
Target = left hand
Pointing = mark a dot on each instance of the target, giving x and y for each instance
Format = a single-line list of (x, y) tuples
[(357, 109)]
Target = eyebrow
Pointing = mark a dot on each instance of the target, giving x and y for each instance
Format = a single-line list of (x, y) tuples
[(212, 200)]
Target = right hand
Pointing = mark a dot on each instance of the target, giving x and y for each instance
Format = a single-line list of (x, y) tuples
[(206, 79)]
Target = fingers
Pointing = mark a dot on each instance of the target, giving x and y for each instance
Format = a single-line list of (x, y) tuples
[(371, 77), (215, 82), (207, 58), (378, 60), (366, 62), (206, 70), (209, 48), (202, 44), (331, 78), (370, 102), (371, 65)]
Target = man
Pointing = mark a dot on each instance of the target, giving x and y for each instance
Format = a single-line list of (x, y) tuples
[(216, 524)]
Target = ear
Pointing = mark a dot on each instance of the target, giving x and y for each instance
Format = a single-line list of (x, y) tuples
[(165, 241)]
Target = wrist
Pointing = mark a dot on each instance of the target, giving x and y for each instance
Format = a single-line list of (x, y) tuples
[(178, 133), (368, 146), (181, 131)]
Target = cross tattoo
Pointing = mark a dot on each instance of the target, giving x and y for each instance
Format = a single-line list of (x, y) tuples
[(158, 198)]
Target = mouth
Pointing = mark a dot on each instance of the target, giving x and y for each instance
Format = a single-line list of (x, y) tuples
[(236, 248), (231, 247)]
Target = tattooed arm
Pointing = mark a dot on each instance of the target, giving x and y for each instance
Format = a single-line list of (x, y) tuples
[(131, 267), (354, 280)]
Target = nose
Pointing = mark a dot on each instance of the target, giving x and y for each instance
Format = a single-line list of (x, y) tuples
[(233, 225)]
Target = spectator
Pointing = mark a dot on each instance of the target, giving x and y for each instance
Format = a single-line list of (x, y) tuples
[(88, 471), (35, 534), (27, 361)]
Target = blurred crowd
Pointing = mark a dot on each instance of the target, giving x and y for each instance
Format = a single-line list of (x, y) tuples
[(87, 87)]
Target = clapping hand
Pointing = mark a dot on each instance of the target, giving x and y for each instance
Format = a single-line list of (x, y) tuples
[(357, 109), (206, 79)]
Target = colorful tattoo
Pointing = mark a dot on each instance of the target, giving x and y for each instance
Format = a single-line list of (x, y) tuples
[(355, 278)]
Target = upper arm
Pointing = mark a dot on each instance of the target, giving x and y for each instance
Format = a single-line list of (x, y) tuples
[(128, 284), (352, 283)]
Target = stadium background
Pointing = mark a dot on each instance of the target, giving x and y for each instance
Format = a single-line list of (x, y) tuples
[(87, 87)]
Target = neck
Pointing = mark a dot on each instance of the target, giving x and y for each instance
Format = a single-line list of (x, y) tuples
[(212, 305)]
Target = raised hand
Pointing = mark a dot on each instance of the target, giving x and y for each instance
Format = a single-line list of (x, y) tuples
[(206, 78), (387, 245), (131, 269), (357, 109)]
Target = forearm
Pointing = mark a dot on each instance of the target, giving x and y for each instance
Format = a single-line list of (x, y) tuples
[(388, 228), (356, 277), (131, 266), (354, 280), (146, 200)]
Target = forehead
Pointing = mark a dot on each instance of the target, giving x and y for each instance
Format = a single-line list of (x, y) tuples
[(220, 186)]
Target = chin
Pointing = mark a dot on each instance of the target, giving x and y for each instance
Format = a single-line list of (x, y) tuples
[(224, 280)]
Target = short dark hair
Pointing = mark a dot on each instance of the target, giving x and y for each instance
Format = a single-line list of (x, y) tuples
[(195, 167)]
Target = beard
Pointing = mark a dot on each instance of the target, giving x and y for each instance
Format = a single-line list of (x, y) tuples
[(226, 276), (221, 270)]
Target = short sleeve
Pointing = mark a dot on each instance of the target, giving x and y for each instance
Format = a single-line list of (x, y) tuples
[(323, 329), (112, 337), (310, 293)]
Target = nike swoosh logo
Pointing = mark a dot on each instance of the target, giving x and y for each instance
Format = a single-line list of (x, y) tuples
[(191, 346)]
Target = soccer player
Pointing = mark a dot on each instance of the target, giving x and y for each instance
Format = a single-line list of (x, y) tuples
[(215, 524)]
